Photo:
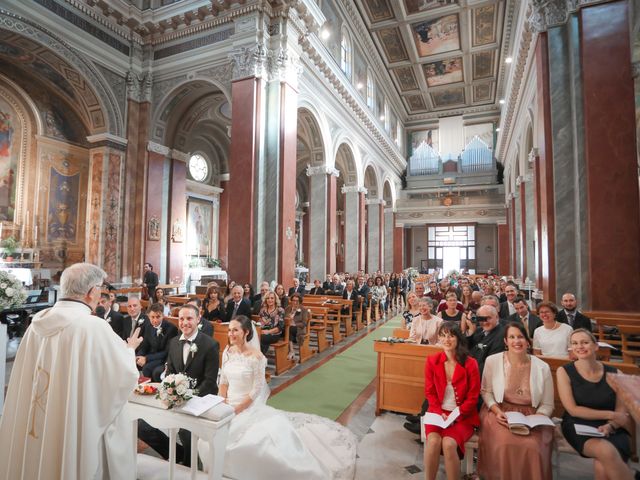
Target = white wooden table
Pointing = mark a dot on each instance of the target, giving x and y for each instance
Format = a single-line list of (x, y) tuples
[(212, 426)]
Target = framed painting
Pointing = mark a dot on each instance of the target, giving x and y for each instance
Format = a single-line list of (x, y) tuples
[(10, 138), (439, 35), (199, 221), (443, 72)]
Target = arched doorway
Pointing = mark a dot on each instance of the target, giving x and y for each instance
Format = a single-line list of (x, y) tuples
[(348, 205), (388, 226), (374, 219)]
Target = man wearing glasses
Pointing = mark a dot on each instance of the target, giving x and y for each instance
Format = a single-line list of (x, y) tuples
[(484, 334), (67, 415)]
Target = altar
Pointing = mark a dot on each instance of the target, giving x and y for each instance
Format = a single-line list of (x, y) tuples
[(201, 276)]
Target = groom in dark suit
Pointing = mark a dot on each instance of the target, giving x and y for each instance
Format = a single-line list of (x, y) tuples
[(197, 356)]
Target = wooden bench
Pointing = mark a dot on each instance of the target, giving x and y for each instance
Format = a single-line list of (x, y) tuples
[(281, 351), (305, 352), (333, 319), (318, 324), (172, 319), (630, 348)]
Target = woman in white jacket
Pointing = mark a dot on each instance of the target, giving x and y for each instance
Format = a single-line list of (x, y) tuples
[(515, 381)]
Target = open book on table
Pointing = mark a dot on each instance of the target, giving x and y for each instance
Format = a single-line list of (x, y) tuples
[(587, 430), (438, 421), (521, 424)]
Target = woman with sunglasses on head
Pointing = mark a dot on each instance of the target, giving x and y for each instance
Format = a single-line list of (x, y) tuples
[(589, 400)]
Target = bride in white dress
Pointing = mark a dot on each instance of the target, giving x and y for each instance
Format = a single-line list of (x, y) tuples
[(266, 443)]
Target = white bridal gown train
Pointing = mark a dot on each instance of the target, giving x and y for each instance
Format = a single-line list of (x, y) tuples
[(266, 443)]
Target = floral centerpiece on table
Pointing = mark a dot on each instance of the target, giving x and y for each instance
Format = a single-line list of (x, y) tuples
[(176, 389), (412, 273), (12, 292)]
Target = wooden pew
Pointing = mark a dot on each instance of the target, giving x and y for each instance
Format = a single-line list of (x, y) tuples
[(281, 351), (178, 299), (305, 351), (630, 348), (318, 325), (333, 318)]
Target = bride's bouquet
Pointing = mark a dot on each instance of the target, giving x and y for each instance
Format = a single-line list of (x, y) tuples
[(176, 389), (12, 292)]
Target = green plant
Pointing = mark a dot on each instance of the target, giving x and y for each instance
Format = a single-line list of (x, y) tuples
[(10, 245), (213, 262)]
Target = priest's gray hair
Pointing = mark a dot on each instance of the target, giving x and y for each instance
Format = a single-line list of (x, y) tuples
[(79, 278)]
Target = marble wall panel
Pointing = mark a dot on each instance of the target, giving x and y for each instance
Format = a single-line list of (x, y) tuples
[(388, 240), (351, 230), (318, 227), (373, 238)]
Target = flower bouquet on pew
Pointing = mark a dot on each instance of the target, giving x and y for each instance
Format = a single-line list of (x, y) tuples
[(176, 389)]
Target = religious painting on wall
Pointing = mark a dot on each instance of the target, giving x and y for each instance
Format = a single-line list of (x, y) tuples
[(415, 6), (484, 25), (391, 41), (62, 211), (10, 138), (437, 36), (483, 64), (447, 98), (406, 78), (199, 217), (443, 72), (430, 137), (378, 10)]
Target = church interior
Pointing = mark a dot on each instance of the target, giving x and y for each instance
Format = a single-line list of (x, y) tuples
[(253, 141)]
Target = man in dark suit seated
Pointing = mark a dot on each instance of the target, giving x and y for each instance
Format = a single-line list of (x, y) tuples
[(522, 315), (256, 301), (570, 314), (134, 318), (115, 319), (297, 288), (153, 350), (317, 289), (237, 305), (350, 293), (507, 308), (197, 356), (327, 283), (485, 337), (335, 287), (363, 292)]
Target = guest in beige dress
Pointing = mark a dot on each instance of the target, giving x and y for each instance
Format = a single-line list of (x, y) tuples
[(515, 381), (424, 328)]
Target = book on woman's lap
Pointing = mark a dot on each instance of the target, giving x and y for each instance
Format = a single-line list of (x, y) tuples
[(522, 424), (438, 421), (587, 430)]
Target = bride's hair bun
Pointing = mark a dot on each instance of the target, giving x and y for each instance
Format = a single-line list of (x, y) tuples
[(245, 323)]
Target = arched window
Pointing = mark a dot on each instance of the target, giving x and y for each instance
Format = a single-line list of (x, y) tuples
[(198, 168), (370, 93), (399, 134), (346, 54)]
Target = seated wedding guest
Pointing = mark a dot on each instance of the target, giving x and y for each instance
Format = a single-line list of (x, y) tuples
[(248, 292), (115, 319), (570, 314), (228, 292), (265, 443), (237, 305), (297, 287), (258, 299), (515, 381), (379, 295), (204, 325), (335, 287), (197, 356), (589, 400), (75, 426), (522, 315), (476, 299), (271, 322), (283, 298), (134, 319), (507, 308), (317, 288), (466, 297), (488, 338), (552, 337), (151, 355), (363, 291), (299, 317), (350, 293), (158, 294), (424, 328), (451, 380), (166, 306), (412, 310), (451, 312), (115, 306), (212, 306), (419, 289), (326, 285)]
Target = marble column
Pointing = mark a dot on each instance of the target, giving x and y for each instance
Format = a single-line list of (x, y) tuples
[(157, 228), (306, 239), (517, 222), (223, 222), (504, 249), (374, 234), (529, 217), (332, 205), (613, 213), (398, 246), (177, 217), (352, 233), (319, 235), (408, 247), (389, 221), (362, 230), (523, 227)]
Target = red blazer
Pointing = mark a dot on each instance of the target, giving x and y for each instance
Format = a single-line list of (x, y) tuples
[(465, 382)]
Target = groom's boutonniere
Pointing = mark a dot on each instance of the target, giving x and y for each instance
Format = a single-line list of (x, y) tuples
[(193, 348), (199, 326), (298, 310), (140, 321), (159, 330)]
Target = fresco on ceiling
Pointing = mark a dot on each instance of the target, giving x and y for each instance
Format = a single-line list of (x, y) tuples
[(431, 137), (437, 36), (392, 43), (406, 78), (62, 211), (483, 64), (447, 98), (378, 10), (482, 92), (415, 6), (10, 137), (484, 25), (416, 102), (443, 72)]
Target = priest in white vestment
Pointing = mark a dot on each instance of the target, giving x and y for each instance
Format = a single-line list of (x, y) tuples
[(65, 415)]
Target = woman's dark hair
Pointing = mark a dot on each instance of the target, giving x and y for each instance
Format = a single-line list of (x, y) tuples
[(381, 281), (212, 288), (551, 306), (452, 328), (251, 292), (519, 326), (298, 296), (245, 324)]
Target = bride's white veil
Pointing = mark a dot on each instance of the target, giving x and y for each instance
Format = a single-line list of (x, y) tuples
[(255, 340)]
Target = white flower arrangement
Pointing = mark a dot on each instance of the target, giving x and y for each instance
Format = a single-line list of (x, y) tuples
[(12, 292), (140, 321), (200, 326), (176, 389), (193, 348), (159, 330)]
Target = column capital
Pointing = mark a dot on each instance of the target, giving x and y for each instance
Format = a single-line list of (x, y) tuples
[(107, 140), (544, 14), (248, 61), (322, 170), (533, 155), (374, 201), (157, 148), (139, 86), (519, 179), (180, 156), (353, 189)]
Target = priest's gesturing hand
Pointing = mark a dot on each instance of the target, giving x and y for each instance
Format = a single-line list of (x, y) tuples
[(134, 340)]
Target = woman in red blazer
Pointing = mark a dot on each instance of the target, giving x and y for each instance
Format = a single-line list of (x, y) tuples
[(451, 379)]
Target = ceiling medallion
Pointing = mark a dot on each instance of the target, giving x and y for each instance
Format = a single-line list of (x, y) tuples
[(482, 213), (415, 215)]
